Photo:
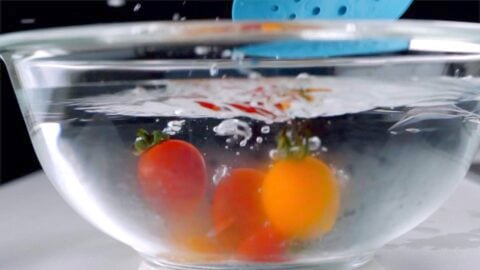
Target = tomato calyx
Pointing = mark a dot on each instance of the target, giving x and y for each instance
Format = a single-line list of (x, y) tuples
[(292, 140), (146, 140)]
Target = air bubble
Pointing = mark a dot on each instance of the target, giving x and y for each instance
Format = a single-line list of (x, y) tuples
[(314, 143), (276, 155), (221, 172), (303, 75), (265, 130), (254, 75), (324, 149), (226, 53), (259, 139), (178, 112), (213, 70), (202, 50)]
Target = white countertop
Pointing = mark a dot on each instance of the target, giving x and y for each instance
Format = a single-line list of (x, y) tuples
[(38, 231)]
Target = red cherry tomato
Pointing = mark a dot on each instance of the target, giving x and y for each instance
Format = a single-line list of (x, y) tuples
[(173, 177), (265, 245), (237, 207)]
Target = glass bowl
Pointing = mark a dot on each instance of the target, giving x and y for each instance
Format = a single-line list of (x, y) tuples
[(188, 143)]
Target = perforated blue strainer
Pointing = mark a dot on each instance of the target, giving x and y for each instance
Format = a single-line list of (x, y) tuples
[(320, 9)]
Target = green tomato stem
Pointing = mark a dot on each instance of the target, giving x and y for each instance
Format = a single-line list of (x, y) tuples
[(146, 140)]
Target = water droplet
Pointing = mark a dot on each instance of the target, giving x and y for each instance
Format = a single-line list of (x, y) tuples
[(137, 7), (220, 173), (173, 127), (183, 18), (202, 50), (324, 149), (259, 139), (213, 70), (265, 129), (238, 56), (412, 130), (314, 143), (457, 73), (254, 75), (228, 140), (115, 3), (27, 20), (176, 17), (393, 132), (303, 76), (243, 143), (226, 147), (251, 147), (235, 128), (237, 153), (226, 53), (157, 120)]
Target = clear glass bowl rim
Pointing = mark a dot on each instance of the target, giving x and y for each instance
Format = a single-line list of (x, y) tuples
[(110, 36)]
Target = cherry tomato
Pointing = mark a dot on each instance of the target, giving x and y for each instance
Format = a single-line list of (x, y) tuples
[(237, 208), (265, 245), (173, 177), (301, 198)]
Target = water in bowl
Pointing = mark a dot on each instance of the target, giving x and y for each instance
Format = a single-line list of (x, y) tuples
[(394, 149)]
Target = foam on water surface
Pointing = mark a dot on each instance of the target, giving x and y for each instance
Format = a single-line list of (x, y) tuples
[(276, 99)]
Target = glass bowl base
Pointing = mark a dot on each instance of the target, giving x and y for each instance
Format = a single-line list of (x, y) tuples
[(342, 263)]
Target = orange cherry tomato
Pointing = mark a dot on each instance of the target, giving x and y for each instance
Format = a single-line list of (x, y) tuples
[(173, 177), (301, 198), (237, 208), (265, 245)]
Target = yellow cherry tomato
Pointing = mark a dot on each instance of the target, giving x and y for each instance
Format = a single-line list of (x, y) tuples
[(301, 198)]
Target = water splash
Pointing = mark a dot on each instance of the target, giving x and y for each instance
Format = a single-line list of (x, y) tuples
[(235, 128), (174, 127)]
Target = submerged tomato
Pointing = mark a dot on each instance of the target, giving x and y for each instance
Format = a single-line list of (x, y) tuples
[(173, 177), (301, 197), (237, 207), (265, 245)]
